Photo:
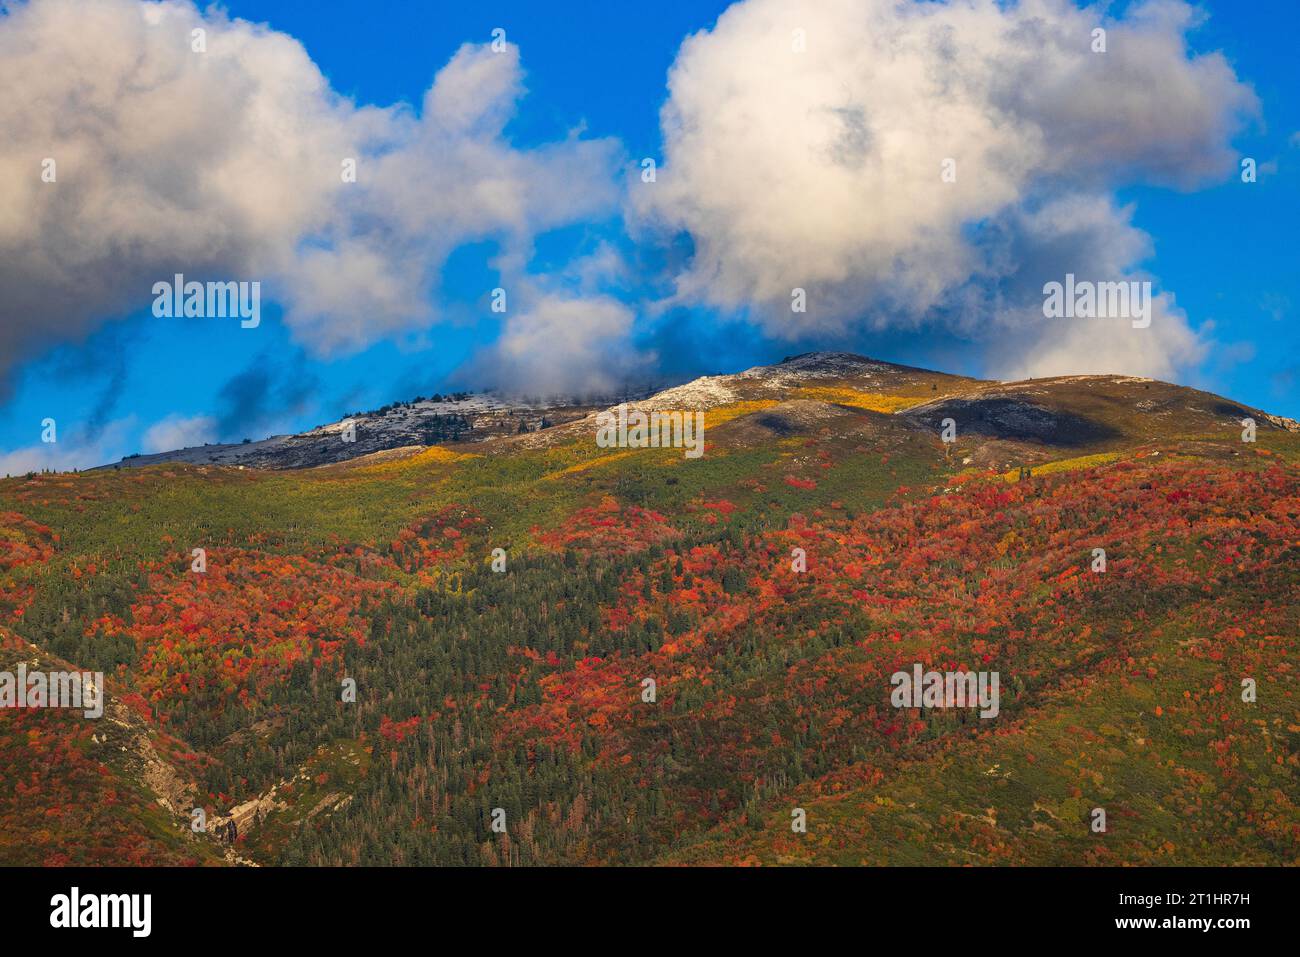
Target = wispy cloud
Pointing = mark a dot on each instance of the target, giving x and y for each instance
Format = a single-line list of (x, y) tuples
[(179, 432), (74, 448)]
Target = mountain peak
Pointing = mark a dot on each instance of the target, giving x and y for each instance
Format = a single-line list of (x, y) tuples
[(821, 356), (824, 365), (831, 365), (831, 362)]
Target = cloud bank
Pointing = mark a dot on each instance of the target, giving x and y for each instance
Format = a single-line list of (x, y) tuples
[(910, 165)]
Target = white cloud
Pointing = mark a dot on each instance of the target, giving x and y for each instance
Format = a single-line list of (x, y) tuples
[(818, 170), (558, 341), (1104, 345), (822, 169), (179, 432), (81, 447), (226, 164), (1087, 234)]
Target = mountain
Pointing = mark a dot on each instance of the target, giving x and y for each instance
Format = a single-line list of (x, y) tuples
[(644, 658), (1073, 410)]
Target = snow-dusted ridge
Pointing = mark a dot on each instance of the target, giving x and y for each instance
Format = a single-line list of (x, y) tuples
[(528, 423), (422, 423)]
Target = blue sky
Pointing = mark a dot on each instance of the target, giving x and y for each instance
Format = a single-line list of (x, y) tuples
[(597, 72)]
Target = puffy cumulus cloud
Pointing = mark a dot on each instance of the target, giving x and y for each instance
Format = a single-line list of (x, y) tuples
[(1095, 346), (823, 169), (1089, 235), (227, 164), (179, 432), (559, 342), (569, 333)]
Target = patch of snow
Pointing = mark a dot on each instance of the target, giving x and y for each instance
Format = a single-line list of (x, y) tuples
[(706, 392)]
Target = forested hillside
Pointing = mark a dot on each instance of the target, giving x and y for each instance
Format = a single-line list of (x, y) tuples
[(499, 606)]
